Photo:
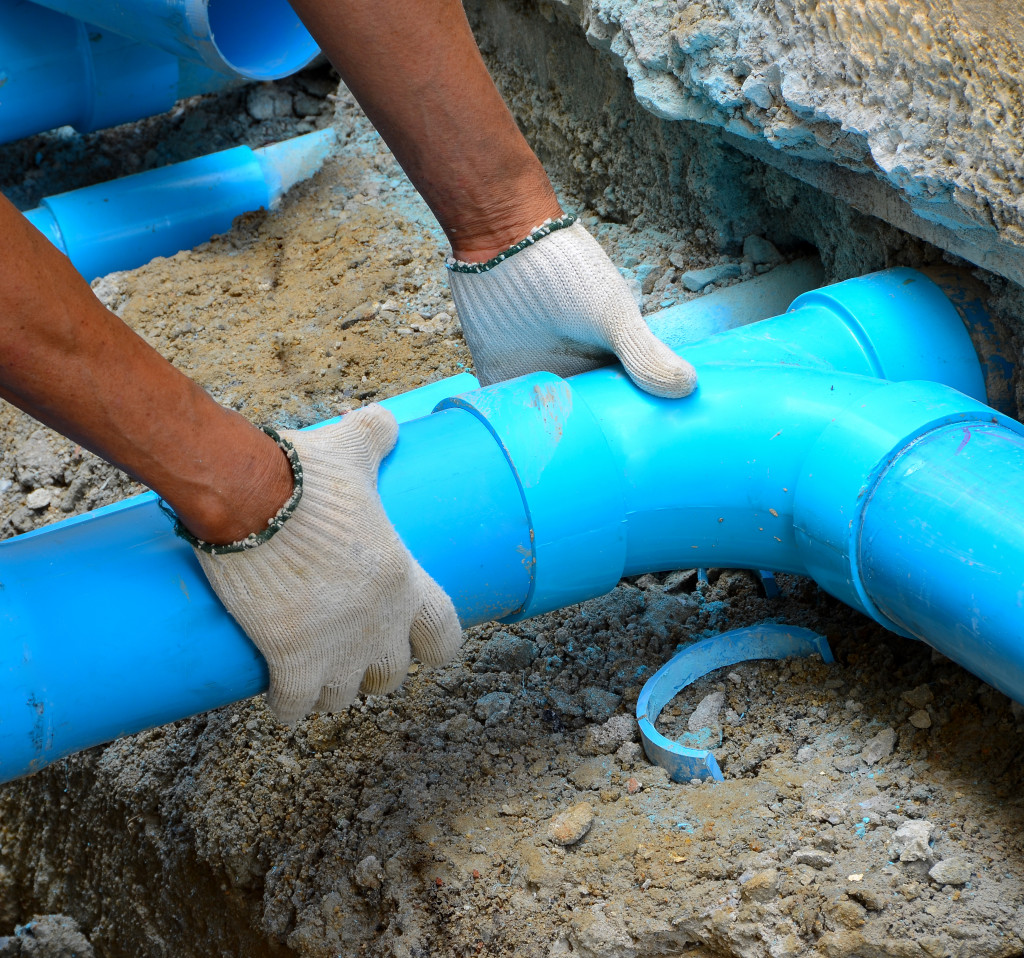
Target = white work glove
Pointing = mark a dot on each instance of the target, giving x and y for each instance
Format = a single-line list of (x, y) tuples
[(333, 599), (555, 302)]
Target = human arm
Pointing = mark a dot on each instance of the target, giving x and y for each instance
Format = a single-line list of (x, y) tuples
[(558, 304), (331, 597)]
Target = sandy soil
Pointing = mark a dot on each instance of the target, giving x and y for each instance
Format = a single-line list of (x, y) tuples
[(871, 807)]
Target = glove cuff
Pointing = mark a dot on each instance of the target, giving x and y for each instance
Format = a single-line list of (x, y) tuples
[(274, 524), (538, 232)]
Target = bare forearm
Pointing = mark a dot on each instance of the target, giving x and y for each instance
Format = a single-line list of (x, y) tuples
[(416, 71), (69, 362)]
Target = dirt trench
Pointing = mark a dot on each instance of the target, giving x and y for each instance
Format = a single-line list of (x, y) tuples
[(871, 807)]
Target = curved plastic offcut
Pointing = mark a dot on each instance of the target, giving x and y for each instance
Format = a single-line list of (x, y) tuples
[(125, 223), (766, 641), (539, 492), (257, 39), (58, 71)]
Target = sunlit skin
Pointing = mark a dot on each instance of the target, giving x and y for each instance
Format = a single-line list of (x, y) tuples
[(72, 364)]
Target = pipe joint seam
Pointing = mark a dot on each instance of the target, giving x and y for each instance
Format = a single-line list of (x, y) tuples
[(545, 432), (851, 459)]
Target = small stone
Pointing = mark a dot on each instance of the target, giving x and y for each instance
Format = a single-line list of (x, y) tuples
[(568, 827), (647, 276), (805, 754), (755, 88), (760, 252), (879, 747), (814, 857), (920, 719), (266, 101), (697, 279), (951, 871), (846, 763), (494, 707), (913, 839), (599, 704), (38, 499), (602, 739), (705, 715), (680, 581), (919, 697), (368, 873), (761, 886), (592, 773), (505, 652), (37, 462), (633, 786), (629, 753)]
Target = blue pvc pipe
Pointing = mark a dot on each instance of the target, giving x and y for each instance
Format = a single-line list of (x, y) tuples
[(58, 71), (125, 223), (541, 492), (257, 39)]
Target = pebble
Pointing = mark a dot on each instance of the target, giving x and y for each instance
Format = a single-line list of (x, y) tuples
[(505, 652), (493, 707), (368, 873), (814, 857), (761, 886), (612, 735), (267, 101), (951, 871), (919, 697), (913, 839), (879, 747), (759, 251), (629, 753), (599, 704), (920, 719), (38, 499), (696, 279), (682, 580), (568, 827), (755, 88), (705, 715)]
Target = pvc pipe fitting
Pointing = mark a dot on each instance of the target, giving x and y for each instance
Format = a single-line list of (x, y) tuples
[(792, 455), (125, 223), (256, 39)]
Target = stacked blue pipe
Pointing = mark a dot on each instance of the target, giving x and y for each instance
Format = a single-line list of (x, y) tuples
[(847, 439), (63, 72), (125, 223), (258, 39), (110, 63)]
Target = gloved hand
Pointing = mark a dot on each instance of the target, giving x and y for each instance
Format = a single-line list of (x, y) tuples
[(333, 599), (556, 302)]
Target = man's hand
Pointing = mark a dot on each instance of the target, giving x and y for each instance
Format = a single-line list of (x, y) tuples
[(333, 599), (557, 303)]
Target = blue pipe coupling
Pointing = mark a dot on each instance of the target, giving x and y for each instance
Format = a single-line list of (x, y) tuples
[(256, 39)]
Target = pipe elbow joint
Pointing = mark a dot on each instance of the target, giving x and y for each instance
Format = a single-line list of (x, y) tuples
[(855, 455)]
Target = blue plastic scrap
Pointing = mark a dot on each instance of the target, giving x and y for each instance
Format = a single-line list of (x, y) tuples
[(765, 641)]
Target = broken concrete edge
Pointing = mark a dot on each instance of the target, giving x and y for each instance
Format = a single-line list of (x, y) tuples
[(766, 640)]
